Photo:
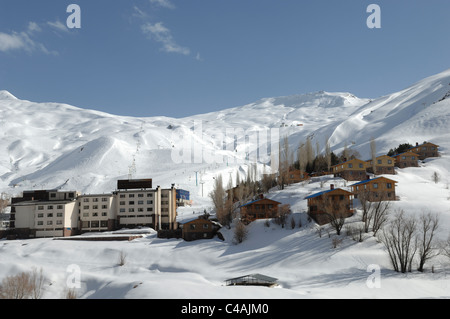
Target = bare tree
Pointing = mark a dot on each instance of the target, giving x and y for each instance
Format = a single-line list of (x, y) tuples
[(373, 152), (335, 210), (283, 172), (435, 177), (283, 213), (240, 232), (379, 214), (428, 249), (328, 154), (400, 241), (25, 285)]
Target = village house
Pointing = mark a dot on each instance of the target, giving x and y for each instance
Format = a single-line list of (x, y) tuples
[(352, 170), (327, 205), (406, 159), (262, 208), (199, 228), (374, 190), (425, 150), (383, 165), (297, 176)]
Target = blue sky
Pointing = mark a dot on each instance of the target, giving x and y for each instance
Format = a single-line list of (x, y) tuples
[(183, 57)]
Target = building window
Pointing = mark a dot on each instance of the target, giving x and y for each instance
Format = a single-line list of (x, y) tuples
[(131, 210), (95, 207), (350, 165), (50, 207), (140, 195), (95, 200), (40, 215), (131, 195), (50, 215), (85, 207), (205, 226), (94, 224), (104, 214), (40, 223), (149, 209), (375, 185), (60, 207), (122, 210), (49, 222), (104, 206), (389, 185), (131, 202), (379, 161), (389, 161), (85, 214), (122, 195), (140, 202), (59, 222), (122, 203), (104, 199), (150, 195), (192, 226), (59, 215), (86, 200)]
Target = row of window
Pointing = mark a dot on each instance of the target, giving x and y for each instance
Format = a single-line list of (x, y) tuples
[(49, 215), (86, 207), (49, 223), (133, 195), (132, 202), (95, 214), (94, 200), (50, 207)]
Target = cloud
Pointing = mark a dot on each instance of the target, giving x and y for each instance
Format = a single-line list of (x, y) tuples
[(16, 41), (163, 3), (58, 25), (160, 33)]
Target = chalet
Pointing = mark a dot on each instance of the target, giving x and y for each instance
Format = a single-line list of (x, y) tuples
[(383, 165), (406, 159), (297, 176), (333, 203), (352, 170), (374, 190), (425, 150), (199, 228), (262, 208)]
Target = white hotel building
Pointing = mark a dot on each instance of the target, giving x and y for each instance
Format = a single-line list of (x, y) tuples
[(61, 214)]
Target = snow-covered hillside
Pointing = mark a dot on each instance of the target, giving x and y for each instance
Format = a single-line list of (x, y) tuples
[(51, 145)]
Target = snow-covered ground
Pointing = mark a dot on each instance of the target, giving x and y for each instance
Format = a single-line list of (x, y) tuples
[(49, 145)]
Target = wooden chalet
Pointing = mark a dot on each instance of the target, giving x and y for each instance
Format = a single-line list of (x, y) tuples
[(374, 190), (383, 165), (262, 208), (333, 203), (200, 228), (352, 170), (297, 176), (407, 159), (425, 150)]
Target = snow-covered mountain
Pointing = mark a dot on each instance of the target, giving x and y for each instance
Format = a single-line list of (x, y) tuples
[(50, 145), (53, 145)]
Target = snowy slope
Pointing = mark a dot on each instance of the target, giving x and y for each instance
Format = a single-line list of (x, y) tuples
[(51, 145)]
